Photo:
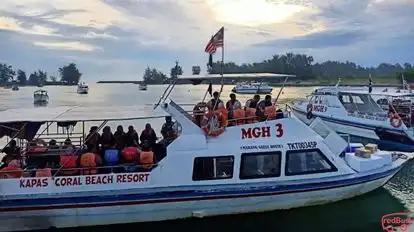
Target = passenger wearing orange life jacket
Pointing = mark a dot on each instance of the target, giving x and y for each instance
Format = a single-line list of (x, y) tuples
[(88, 162), (232, 105), (251, 106), (10, 172), (43, 170), (261, 108), (215, 102), (68, 163)]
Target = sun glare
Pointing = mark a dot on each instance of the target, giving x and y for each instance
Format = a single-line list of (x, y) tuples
[(253, 12)]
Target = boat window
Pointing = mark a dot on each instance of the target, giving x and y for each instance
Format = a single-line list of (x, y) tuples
[(212, 168), (359, 102), (302, 162), (260, 165)]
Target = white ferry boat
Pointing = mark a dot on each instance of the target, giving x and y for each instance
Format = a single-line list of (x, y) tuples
[(40, 96), (252, 88), (143, 86), (353, 111), (248, 167), (83, 88)]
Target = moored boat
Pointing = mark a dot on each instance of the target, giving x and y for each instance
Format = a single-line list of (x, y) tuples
[(83, 88), (15, 87), (252, 88), (353, 111), (278, 163), (142, 86), (40, 96)]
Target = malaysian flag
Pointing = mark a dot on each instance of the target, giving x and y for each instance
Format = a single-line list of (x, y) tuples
[(215, 42)]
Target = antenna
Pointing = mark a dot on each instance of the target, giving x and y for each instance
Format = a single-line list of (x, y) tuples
[(337, 83)]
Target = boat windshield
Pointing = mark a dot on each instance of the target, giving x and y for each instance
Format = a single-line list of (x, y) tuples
[(359, 102)]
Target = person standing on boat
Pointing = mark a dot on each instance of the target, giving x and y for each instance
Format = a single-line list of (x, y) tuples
[(168, 131), (132, 139), (120, 138), (12, 149), (148, 134), (92, 140), (215, 102)]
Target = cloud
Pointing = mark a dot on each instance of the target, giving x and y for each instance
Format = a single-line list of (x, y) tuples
[(119, 38), (76, 46)]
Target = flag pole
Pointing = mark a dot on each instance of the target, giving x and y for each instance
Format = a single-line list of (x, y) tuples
[(222, 65)]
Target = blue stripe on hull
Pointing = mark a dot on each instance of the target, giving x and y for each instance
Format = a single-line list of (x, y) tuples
[(382, 143), (178, 196)]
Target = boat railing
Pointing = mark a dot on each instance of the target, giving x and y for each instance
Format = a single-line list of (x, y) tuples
[(84, 171)]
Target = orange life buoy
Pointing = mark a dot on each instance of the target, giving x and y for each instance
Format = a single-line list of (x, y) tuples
[(395, 120), (210, 126)]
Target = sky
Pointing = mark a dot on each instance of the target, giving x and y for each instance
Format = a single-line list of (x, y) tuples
[(118, 39)]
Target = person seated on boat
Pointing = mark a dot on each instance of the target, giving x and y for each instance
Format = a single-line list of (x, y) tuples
[(120, 138), (149, 135), (12, 149), (232, 105), (198, 113), (43, 170), (68, 147), (252, 103), (132, 139), (92, 140), (168, 131), (261, 108), (107, 140), (215, 102), (53, 145)]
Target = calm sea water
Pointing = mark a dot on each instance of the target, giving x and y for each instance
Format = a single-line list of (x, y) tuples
[(358, 214)]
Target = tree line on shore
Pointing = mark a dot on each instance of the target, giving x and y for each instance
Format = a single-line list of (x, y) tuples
[(303, 66), (69, 75)]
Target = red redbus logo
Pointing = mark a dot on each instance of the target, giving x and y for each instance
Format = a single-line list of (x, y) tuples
[(390, 222)]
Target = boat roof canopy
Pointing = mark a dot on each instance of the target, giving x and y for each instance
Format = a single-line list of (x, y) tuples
[(73, 113), (197, 79)]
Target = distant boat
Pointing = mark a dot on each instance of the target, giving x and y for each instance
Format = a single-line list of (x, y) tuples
[(40, 97), (40, 85), (15, 87), (143, 86), (252, 88), (83, 88)]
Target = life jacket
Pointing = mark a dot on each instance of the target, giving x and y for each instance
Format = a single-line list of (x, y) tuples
[(69, 162), (270, 112), (111, 157), (239, 115), (146, 159), (44, 172), (10, 172), (130, 154), (89, 161), (251, 115), (14, 163)]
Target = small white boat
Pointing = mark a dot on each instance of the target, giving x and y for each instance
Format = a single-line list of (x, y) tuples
[(353, 111), (83, 88), (275, 164), (252, 88), (143, 86), (40, 97)]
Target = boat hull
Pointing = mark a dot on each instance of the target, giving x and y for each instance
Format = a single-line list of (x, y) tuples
[(82, 91), (143, 87), (358, 133), (39, 99), (234, 200)]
